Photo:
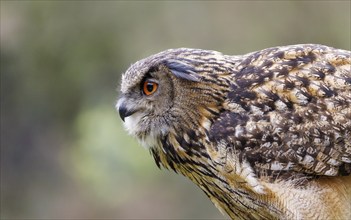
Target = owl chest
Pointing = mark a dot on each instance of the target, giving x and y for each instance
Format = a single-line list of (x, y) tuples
[(229, 197), (227, 191)]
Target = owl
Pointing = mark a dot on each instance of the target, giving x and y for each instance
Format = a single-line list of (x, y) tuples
[(265, 135)]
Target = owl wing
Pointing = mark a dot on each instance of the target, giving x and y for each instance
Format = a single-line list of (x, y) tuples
[(289, 111)]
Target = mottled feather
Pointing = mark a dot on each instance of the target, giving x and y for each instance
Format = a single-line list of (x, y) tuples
[(265, 135)]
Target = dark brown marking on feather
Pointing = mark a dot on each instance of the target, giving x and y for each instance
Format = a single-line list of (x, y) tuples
[(317, 73), (244, 83), (329, 68), (156, 157), (289, 84), (345, 169), (296, 118), (270, 95), (267, 63), (327, 91), (290, 64), (282, 72), (279, 54), (222, 128), (248, 70), (305, 82)]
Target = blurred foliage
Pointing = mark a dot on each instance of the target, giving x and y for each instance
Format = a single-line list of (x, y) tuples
[(64, 153)]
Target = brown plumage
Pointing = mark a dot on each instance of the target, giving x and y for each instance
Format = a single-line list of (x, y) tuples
[(266, 135)]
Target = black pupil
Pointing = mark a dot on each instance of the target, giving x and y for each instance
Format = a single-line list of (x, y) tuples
[(150, 87)]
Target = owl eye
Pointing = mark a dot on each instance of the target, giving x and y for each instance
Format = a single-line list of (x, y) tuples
[(149, 87)]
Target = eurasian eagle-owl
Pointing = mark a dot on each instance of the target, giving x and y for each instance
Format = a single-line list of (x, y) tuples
[(266, 135)]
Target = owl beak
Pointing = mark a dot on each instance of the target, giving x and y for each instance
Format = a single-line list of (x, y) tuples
[(124, 111)]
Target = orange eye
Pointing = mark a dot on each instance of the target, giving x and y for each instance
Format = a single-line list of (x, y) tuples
[(149, 87)]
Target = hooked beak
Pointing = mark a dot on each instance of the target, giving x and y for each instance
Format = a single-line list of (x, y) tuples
[(124, 111)]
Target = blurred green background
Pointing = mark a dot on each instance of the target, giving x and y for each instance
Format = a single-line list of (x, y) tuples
[(64, 153)]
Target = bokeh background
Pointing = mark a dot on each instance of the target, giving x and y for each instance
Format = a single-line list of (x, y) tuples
[(64, 153)]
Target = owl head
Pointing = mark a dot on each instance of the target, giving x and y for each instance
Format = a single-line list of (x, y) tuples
[(168, 92)]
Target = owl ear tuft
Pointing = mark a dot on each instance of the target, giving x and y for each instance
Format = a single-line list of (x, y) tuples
[(182, 70)]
